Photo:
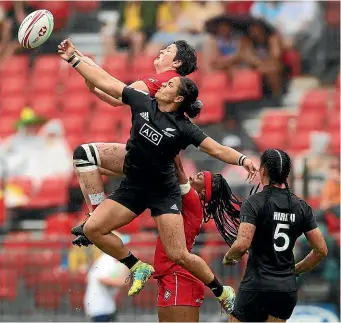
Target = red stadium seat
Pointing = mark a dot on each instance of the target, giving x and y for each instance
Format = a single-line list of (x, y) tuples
[(60, 223), (73, 124), (47, 65), (75, 140), (334, 147), (16, 67), (117, 66), (53, 192), (214, 82), (300, 141), (102, 124), (213, 110), (75, 84), (8, 284), (274, 121), (60, 9), (142, 66), (45, 105), (12, 105), (77, 104), (13, 86), (292, 59), (333, 123), (44, 84), (85, 6), (310, 121), (238, 7), (272, 139), (246, 85), (336, 107), (316, 100), (7, 126)]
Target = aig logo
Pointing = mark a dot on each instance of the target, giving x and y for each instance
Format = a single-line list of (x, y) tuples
[(151, 134)]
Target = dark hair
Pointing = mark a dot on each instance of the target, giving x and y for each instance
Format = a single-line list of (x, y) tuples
[(278, 165), (190, 105), (187, 55), (223, 210)]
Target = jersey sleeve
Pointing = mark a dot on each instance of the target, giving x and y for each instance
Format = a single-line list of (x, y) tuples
[(152, 83), (309, 220), (192, 134), (134, 98), (249, 212)]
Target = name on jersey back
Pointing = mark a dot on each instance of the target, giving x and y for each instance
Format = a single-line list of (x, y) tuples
[(278, 216)]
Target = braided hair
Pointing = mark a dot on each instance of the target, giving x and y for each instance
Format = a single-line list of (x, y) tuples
[(222, 208), (277, 164)]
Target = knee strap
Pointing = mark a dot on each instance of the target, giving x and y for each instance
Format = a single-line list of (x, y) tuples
[(86, 158)]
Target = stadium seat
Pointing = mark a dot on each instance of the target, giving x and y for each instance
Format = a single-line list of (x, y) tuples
[(292, 59), (13, 86), (76, 104), (214, 82), (7, 126), (60, 9), (60, 223), (333, 122), (336, 106), (316, 100), (16, 67), (238, 7), (142, 66), (23, 183), (11, 105), (74, 84), (44, 84), (117, 66), (53, 192), (75, 140), (299, 141), (73, 124), (246, 85), (195, 77), (102, 125), (272, 139), (274, 121), (213, 110), (310, 121), (334, 147), (47, 65), (45, 105), (86, 6), (8, 284)]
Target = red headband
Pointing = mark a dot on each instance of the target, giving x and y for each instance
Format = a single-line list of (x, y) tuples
[(208, 186)]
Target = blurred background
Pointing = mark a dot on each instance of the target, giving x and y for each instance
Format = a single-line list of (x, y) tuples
[(269, 77)]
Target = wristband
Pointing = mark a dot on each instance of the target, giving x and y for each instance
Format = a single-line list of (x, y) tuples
[(241, 160), (77, 63), (71, 58)]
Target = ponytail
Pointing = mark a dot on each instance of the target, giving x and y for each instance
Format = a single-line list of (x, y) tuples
[(194, 109)]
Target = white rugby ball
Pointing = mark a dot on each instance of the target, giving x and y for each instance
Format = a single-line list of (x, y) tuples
[(36, 29)]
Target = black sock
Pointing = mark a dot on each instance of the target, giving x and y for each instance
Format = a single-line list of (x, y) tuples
[(215, 287), (129, 261)]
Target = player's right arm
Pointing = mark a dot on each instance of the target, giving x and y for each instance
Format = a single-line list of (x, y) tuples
[(183, 180), (318, 244)]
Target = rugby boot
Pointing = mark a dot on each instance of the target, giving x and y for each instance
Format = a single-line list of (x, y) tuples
[(81, 239), (227, 299), (140, 274)]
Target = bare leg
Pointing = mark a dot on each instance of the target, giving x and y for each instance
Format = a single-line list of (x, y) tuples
[(108, 160), (178, 314), (172, 235), (232, 319), (274, 319), (109, 216)]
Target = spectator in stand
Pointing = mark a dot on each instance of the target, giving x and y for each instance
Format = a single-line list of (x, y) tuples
[(266, 10), (106, 276), (222, 50), (9, 32), (182, 20), (136, 24), (262, 50), (330, 195)]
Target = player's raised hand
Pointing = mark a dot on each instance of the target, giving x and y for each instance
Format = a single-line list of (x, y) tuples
[(66, 49), (251, 169), (229, 262)]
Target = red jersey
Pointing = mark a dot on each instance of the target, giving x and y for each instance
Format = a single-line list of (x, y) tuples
[(154, 82), (193, 214)]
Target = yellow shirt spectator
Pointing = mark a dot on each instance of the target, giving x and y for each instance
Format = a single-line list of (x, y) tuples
[(132, 16)]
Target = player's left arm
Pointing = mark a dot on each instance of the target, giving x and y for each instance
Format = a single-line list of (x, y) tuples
[(246, 232)]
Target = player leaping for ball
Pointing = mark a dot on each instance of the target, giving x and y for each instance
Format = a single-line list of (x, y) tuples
[(177, 59)]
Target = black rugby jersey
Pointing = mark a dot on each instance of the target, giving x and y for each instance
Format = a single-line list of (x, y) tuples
[(155, 139), (271, 263)]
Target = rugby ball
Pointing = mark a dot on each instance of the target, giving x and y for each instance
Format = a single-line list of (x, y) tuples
[(36, 29)]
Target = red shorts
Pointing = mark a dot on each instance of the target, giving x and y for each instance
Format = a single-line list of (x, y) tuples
[(179, 289)]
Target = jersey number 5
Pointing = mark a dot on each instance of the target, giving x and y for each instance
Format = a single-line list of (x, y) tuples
[(283, 235)]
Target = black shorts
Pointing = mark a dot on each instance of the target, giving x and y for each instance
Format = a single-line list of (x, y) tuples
[(138, 198), (256, 306)]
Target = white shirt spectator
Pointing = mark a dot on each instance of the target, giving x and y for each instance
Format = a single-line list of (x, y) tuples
[(99, 298)]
